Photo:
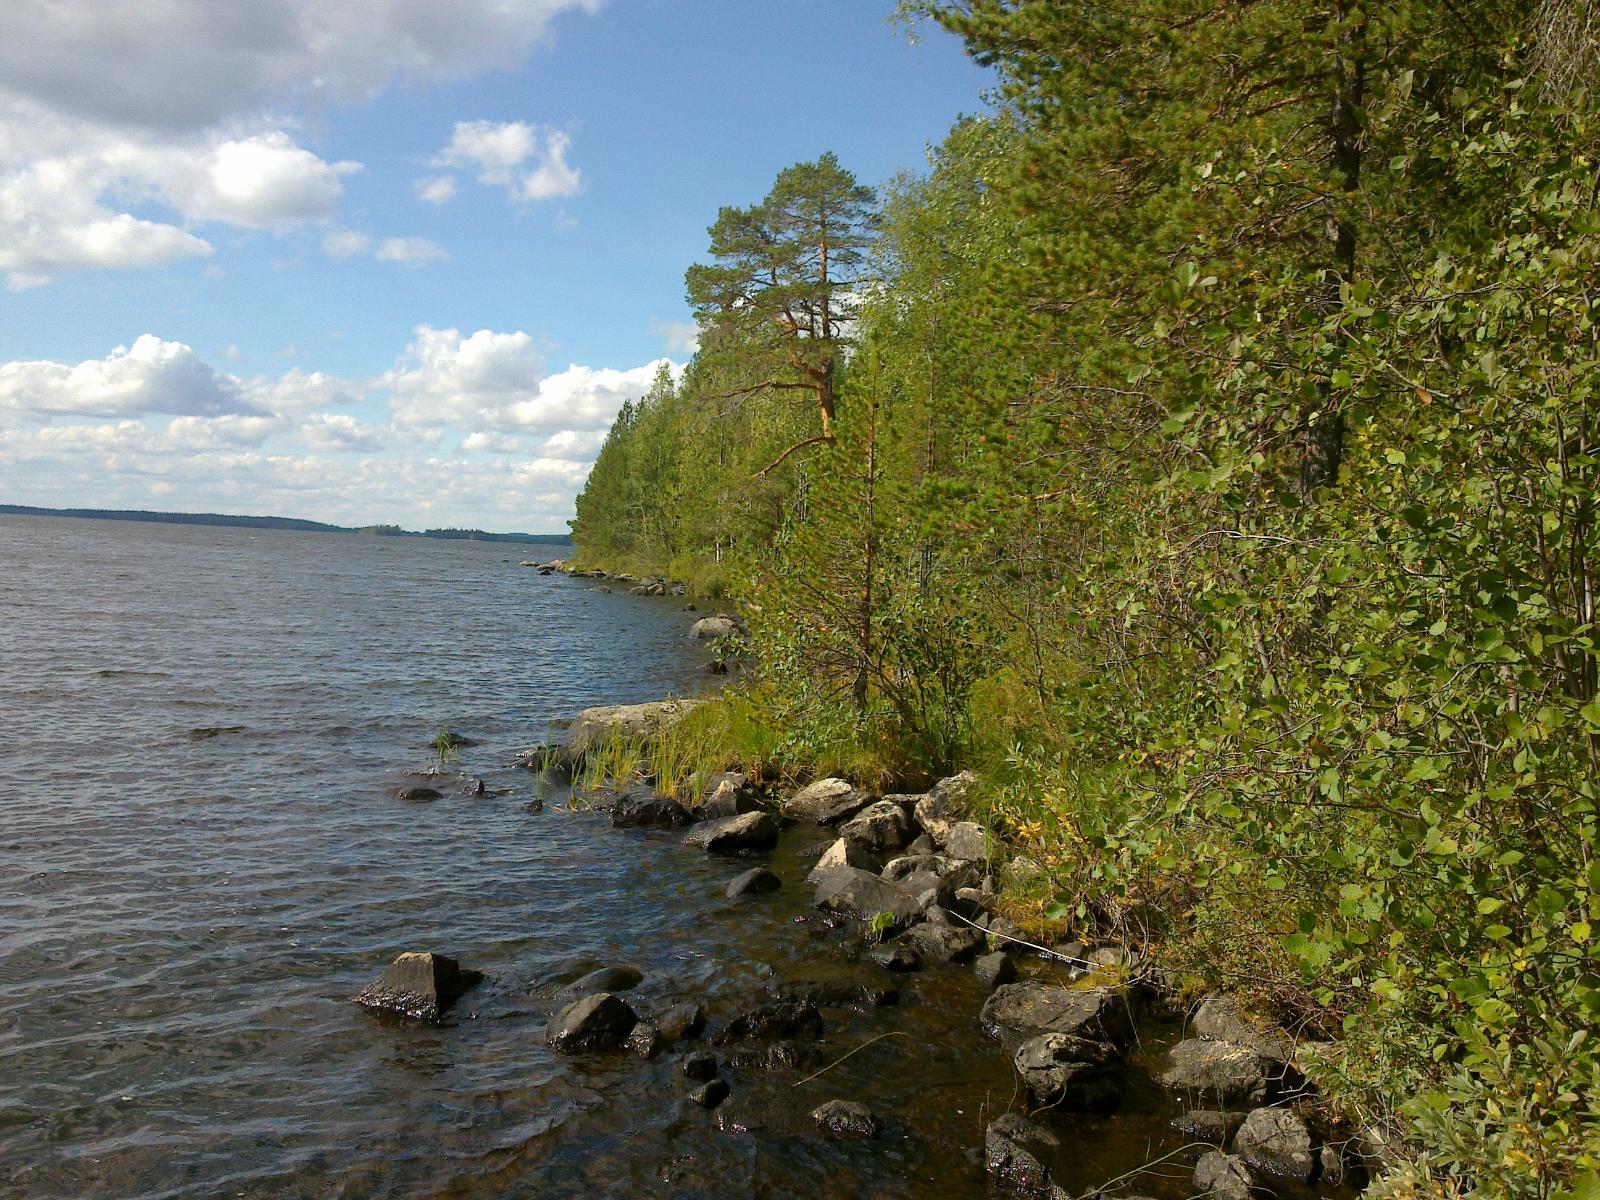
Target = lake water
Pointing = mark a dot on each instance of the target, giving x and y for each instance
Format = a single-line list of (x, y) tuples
[(184, 918)]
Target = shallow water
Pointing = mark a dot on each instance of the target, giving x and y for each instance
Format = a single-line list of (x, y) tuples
[(184, 916)]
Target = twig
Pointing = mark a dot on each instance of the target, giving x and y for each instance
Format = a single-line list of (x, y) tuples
[(841, 1058), (1044, 950)]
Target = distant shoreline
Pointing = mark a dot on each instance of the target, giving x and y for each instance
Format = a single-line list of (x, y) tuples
[(289, 523)]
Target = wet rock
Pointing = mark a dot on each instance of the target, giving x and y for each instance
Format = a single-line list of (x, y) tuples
[(710, 629), (1222, 1176), (1019, 1011), (1007, 934), (421, 986), (943, 943), (780, 1019), (858, 893), (951, 871), (843, 853), (450, 740), (995, 969), (642, 807), (474, 787), (945, 804), (754, 882), (880, 828), (700, 1065), (826, 801), (895, 956), (738, 1118), (1061, 1070), (1208, 1125), (846, 1118), (732, 796), (748, 831), (711, 1093), (967, 840), (536, 805), (681, 1021), (646, 1040), (593, 727), (1332, 1170), (606, 979), (205, 733), (1222, 1072), (1014, 1152), (780, 1056), (1274, 1141), (1223, 1019), (417, 793), (825, 993), (598, 1022)]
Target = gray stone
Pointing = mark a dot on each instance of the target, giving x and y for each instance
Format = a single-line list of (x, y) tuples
[(646, 1040), (843, 853), (895, 956), (1274, 1141), (1014, 1150), (1062, 1070), (967, 840), (846, 1118), (421, 986), (417, 794), (731, 797), (598, 1022), (995, 969), (1223, 1019), (857, 893), (748, 831), (921, 844), (700, 1065), (879, 828), (1019, 1011), (642, 807), (593, 727), (943, 943), (680, 1021), (606, 979), (713, 628), (826, 801), (1221, 1072), (710, 1094), (945, 803), (1222, 1176), (780, 1019), (1021, 871), (754, 882), (1209, 1125)]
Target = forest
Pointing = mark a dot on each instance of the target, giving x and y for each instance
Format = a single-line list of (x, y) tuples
[(1203, 450)]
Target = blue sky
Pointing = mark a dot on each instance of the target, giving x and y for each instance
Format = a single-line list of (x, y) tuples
[(393, 260)]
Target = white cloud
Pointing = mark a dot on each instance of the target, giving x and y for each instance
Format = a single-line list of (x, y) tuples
[(574, 445), (344, 243), (410, 251), (152, 376), (261, 182), (436, 189), (528, 161), (679, 337)]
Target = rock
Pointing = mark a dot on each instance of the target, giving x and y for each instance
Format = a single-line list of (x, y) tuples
[(641, 807), (1332, 1171), (880, 828), (474, 787), (895, 956), (822, 992), (858, 893), (712, 628), (1223, 1019), (943, 943), (995, 969), (700, 1065), (967, 840), (593, 727), (1274, 1141), (945, 804), (681, 1021), (826, 801), (949, 870), (1208, 1125), (606, 979), (710, 1094), (1222, 1072), (780, 1056), (1021, 871), (1013, 1152), (1008, 935), (421, 986), (1062, 1070), (843, 853), (450, 740), (417, 793), (646, 1040), (921, 844), (1222, 1176), (754, 882), (736, 1118), (1019, 1011), (731, 797), (598, 1022), (748, 831), (846, 1118), (780, 1019)]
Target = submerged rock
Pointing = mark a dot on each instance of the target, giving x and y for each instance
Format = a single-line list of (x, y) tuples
[(598, 1022), (754, 882), (700, 1065), (421, 986), (895, 957), (826, 801), (1274, 1141), (711, 1093), (748, 831), (417, 792), (846, 1118), (679, 1021), (1061, 1070), (1014, 1152), (779, 1019), (1019, 1011), (1208, 1125), (606, 979)]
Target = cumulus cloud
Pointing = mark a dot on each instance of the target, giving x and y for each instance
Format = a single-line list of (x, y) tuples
[(344, 243), (436, 189), (409, 251), (679, 337), (151, 376), (528, 161)]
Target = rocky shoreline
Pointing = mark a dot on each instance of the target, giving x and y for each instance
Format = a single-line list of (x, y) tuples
[(914, 880)]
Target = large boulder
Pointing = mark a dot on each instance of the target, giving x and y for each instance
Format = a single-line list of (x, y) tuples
[(785, 1019), (1223, 1073), (843, 853), (1222, 1177), (594, 727), (1062, 1070), (881, 828), (421, 986), (953, 871), (754, 882), (1015, 1151), (1274, 1141), (1019, 1011), (944, 943), (748, 831), (732, 796), (857, 893), (968, 841), (710, 629), (597, 1022), (1222, 1018), (945, 803), (826, 801)]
